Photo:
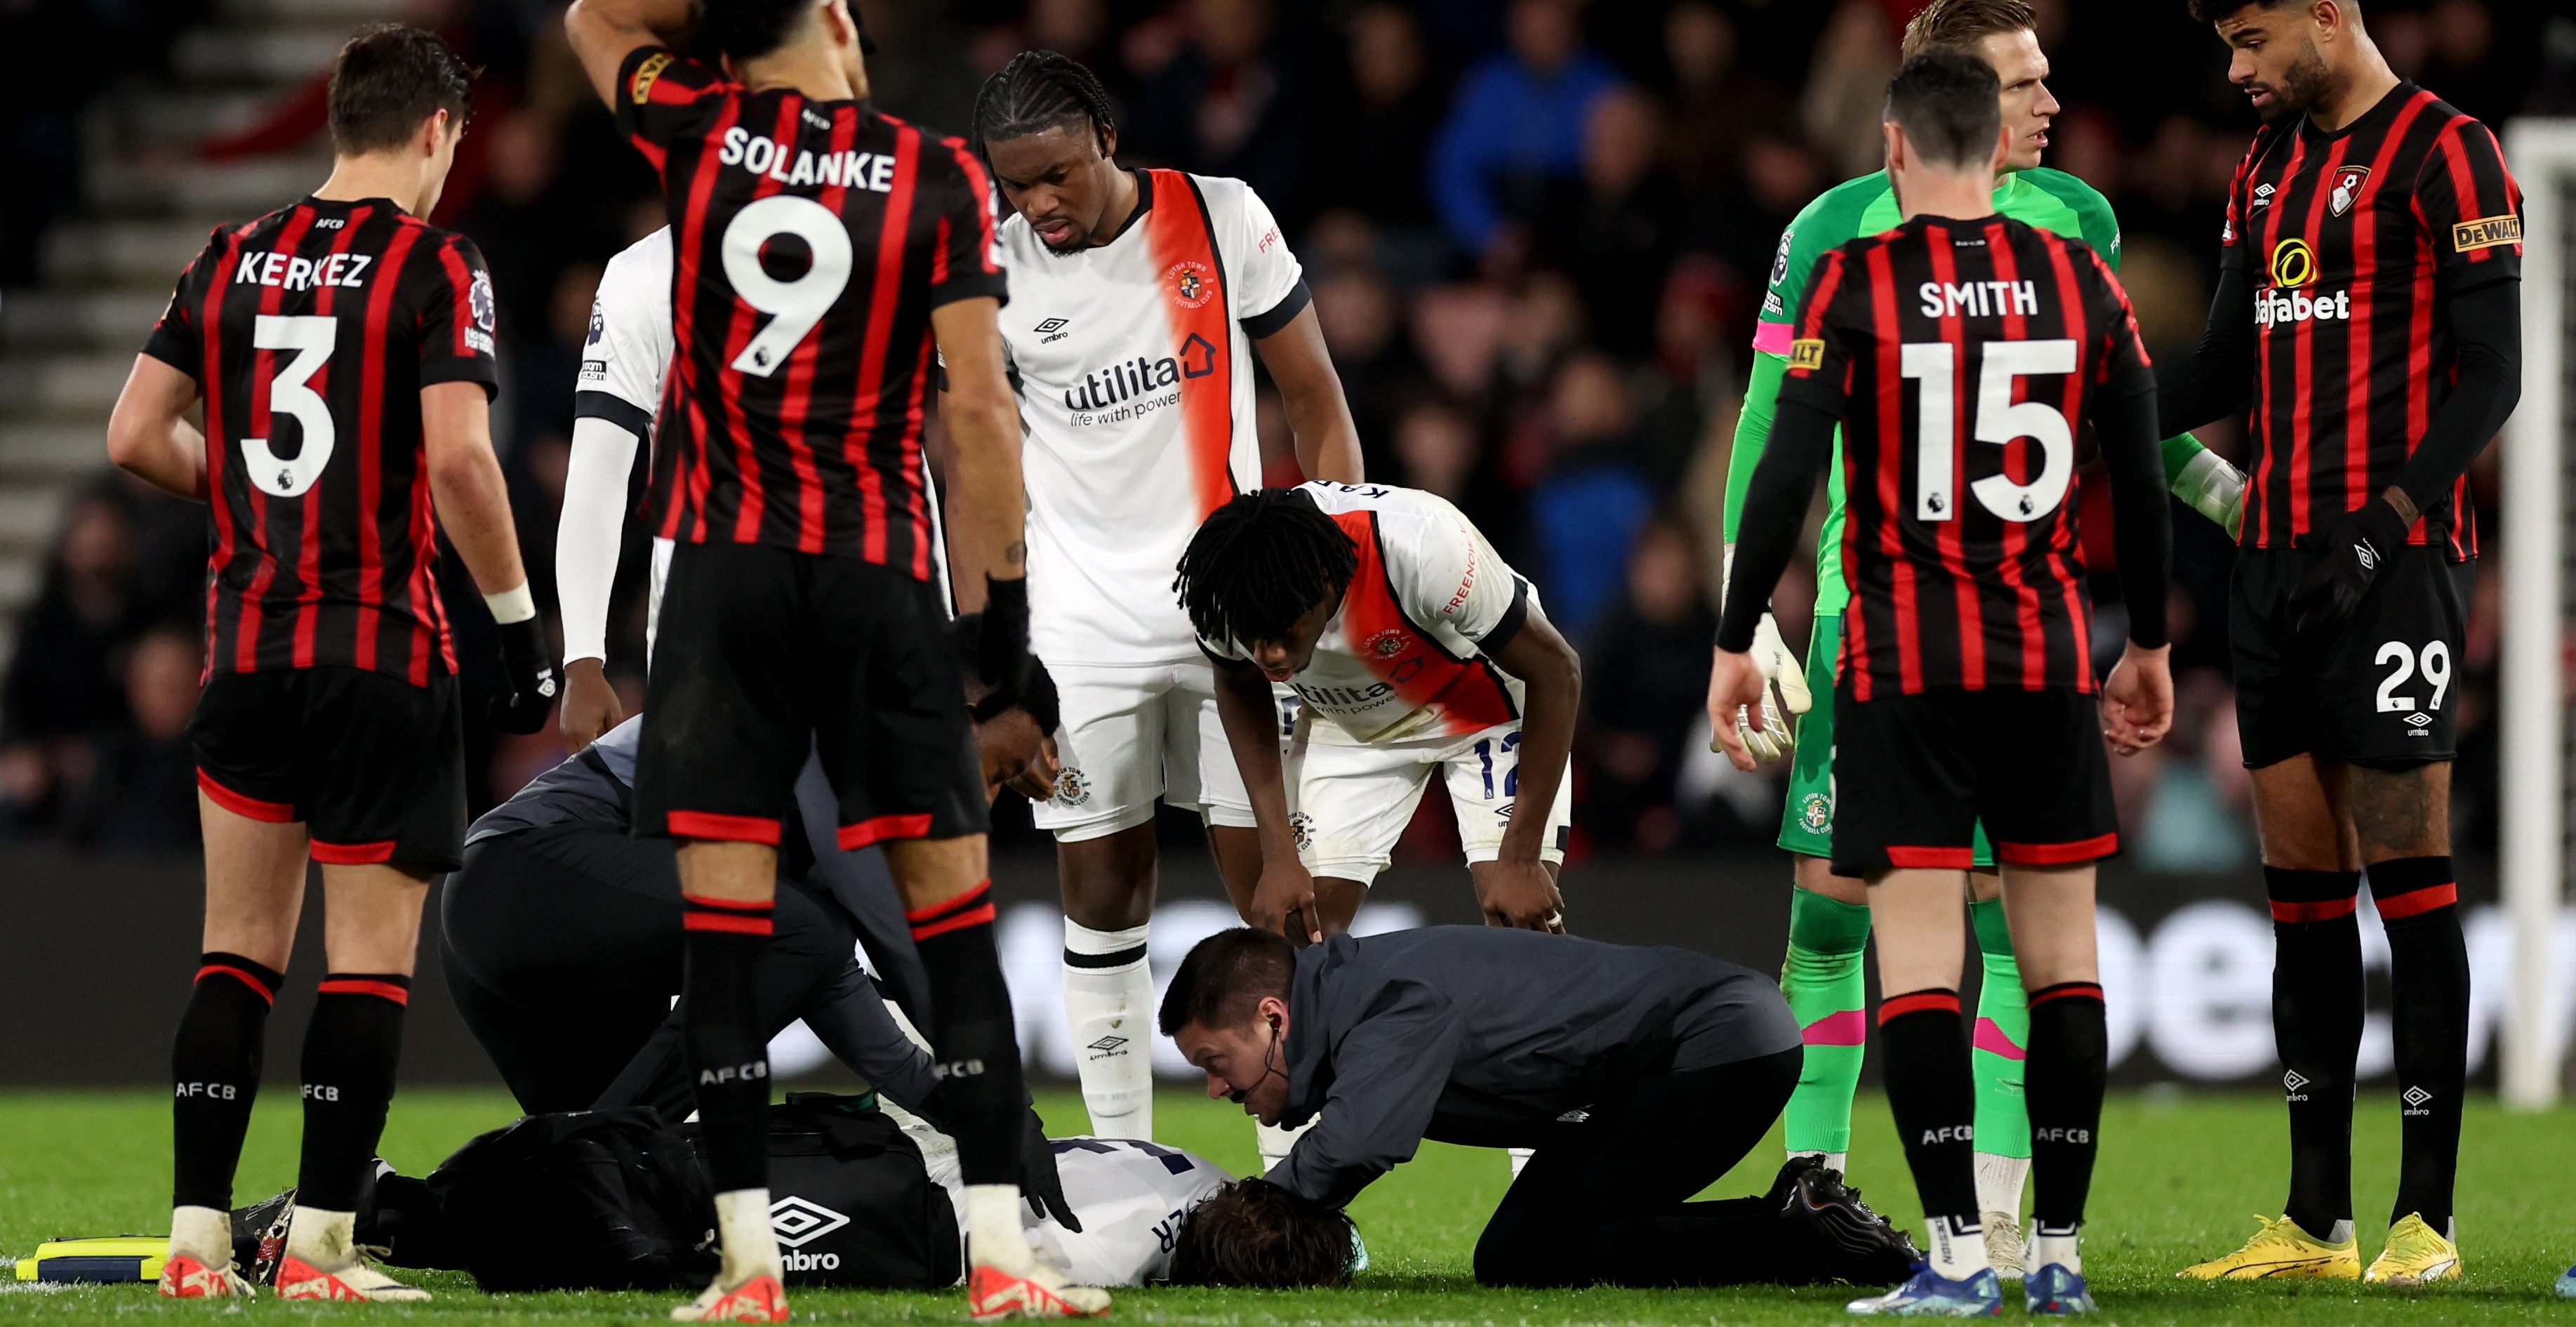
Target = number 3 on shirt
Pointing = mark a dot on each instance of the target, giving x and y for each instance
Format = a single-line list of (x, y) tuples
[(2000, 419), (793, 306), (311, 337)]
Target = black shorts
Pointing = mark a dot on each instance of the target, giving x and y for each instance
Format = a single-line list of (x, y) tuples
[(1913, 775), (373, 766), (766, 653), (2382, 689)]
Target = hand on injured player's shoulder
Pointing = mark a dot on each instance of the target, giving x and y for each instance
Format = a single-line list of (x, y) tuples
[(2138, 700), (1735, 707)]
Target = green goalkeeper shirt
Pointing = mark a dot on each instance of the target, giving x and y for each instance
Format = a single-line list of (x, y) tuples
[(2050, 200)]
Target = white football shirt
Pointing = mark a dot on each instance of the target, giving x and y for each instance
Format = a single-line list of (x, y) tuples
[(1133, 361), (1129, 1195), (1405, 655)]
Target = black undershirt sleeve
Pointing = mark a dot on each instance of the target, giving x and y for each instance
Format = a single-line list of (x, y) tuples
[(1775, 507), (2124, 417), (2486, 328), (2216, 380)]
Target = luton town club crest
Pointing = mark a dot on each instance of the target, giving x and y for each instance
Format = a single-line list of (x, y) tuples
[(1192, 285), (1387, 644), (2347, 188), (1816, 813)]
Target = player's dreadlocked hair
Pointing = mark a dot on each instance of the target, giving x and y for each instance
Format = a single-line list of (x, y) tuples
[(1038, 91), (1262, 561), (1254, 1233)]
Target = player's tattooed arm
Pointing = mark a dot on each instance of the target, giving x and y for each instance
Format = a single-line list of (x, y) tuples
[(1328, 443), (149, 435), (983, 419)]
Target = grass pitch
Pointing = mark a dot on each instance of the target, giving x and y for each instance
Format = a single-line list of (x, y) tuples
[(2179, 1177)]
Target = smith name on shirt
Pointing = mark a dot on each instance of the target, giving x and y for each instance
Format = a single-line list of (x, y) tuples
[(1979, 299), (873, 171)]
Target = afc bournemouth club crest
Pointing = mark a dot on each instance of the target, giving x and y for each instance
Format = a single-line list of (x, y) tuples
[(1387, 644), (2347, 189), (1192, 284)]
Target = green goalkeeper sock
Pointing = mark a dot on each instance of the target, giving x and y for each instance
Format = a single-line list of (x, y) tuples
[(2003, 1031), (1827, 991)]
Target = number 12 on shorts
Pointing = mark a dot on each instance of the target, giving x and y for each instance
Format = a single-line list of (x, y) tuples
[(1486, 748)]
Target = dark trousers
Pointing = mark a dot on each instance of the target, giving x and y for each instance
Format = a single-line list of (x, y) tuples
[(1606, 1201), (562, 949)]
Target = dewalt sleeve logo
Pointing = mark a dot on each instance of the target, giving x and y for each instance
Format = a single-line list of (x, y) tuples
[(641, 86), (2486, 233)]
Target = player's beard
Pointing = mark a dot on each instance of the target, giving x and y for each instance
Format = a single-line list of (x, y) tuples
[(2303, 86)]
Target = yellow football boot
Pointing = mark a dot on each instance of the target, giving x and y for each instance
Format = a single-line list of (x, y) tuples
[(2282, 1251), (2416, 1255)]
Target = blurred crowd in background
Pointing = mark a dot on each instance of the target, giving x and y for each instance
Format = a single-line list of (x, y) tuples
[(1537, 232)]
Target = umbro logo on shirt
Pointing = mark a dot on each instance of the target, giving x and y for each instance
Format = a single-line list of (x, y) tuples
[(1052, 330)]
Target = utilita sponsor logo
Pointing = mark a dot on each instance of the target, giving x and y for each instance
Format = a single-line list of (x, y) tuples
[(2275, 309)]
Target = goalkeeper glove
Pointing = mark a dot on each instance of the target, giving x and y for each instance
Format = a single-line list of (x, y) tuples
[(2215, 489)]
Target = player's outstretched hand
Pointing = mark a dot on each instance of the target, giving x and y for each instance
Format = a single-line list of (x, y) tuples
[(1735, 706), (1284, 901), (2357, 545), (1039, 1182), (529, 679), (1785, 698), (1521, 895), (590, 706), (1016, 755), (2138, 700)]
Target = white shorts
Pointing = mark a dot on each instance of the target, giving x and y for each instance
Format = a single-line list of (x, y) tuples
[(1349, 802), (1132, 736)]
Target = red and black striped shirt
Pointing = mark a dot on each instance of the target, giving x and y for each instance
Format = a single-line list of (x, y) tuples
[(810, 242), (1960, 356), (2350, 238), (311, 332)]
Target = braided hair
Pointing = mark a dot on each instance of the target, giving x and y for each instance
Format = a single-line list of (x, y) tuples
[(1259, 563), (1038, 91)]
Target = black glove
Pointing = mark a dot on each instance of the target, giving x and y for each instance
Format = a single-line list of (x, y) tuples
[(1038, 1181), (1002, 646), (530, 678), (2356, 546)]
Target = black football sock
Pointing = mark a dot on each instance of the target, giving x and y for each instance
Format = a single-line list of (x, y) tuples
[(2069, 1057), (2418, 900), (2316, 1023), (976, 1050), (214, 1073), (720, 1021), (1933, 1095), (350, 1050)]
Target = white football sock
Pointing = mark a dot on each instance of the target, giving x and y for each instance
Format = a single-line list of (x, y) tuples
[(750, 1246), (1520, 1158), (994, 1235), (1833, 1160), (1276, 1143), (326, 1241), (1999, 1183), (2058, 1247), (1956, 1249), (202, 1233), (1108, 1002)]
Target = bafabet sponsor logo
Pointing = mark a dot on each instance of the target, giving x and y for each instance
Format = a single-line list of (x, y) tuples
[(2275, 309)]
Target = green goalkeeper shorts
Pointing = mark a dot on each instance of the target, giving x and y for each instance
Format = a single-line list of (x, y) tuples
[(1807, 822)]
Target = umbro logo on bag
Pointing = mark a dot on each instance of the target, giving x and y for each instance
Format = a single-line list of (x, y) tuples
[(798, 1222)]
